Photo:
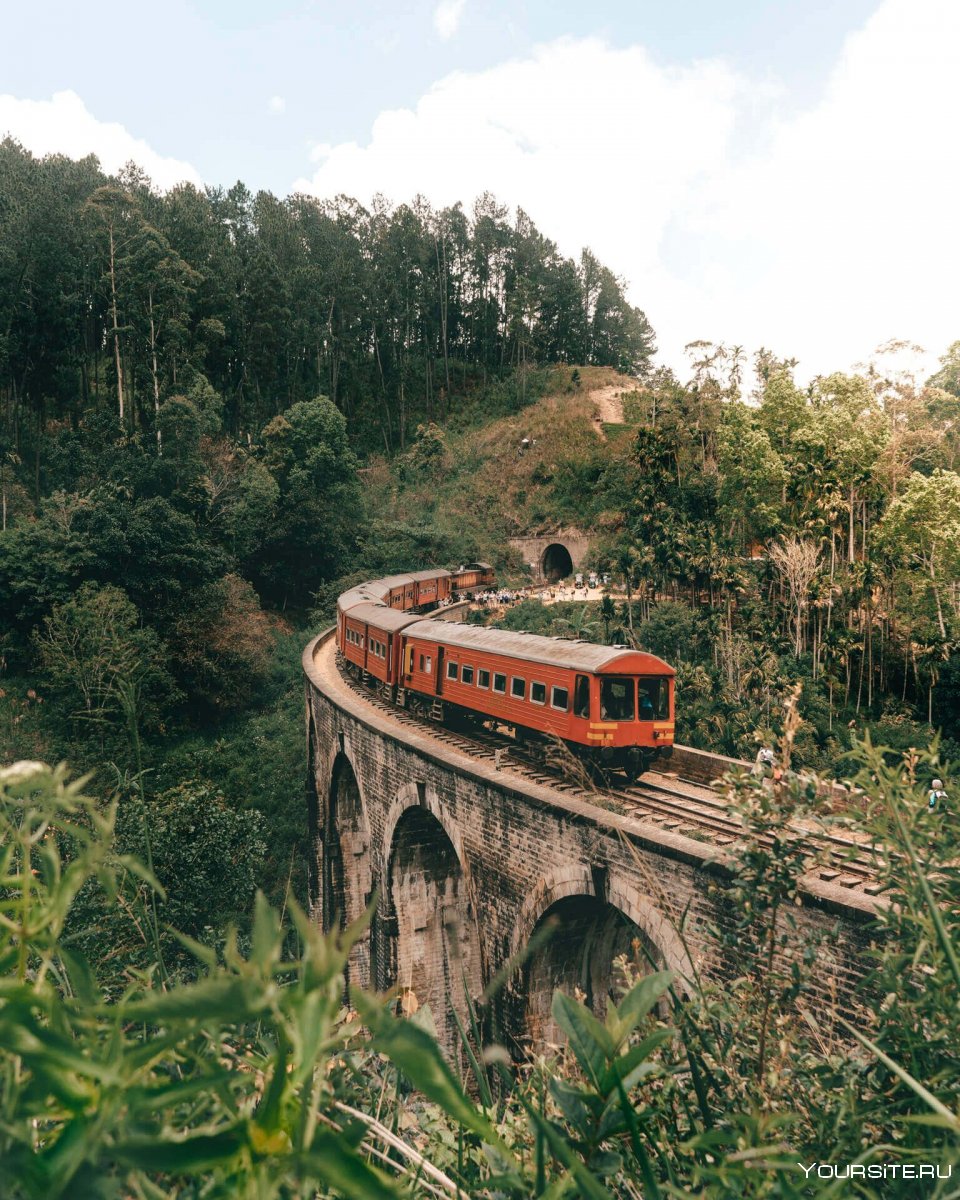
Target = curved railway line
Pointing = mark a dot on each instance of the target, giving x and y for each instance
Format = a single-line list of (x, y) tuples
[(693, 811)]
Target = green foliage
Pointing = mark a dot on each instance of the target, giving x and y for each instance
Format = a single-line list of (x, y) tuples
[(253, 1080), (206, 855), (105, 667), (224, 1077)]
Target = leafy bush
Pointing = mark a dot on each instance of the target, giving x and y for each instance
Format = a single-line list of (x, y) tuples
[(255, 1081)]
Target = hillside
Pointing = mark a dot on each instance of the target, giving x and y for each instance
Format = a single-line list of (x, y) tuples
[(476, 486)]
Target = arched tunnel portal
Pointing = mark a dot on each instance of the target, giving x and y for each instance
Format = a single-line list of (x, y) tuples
[(435, 956), (576, 942), (556, 562), (346, 864)]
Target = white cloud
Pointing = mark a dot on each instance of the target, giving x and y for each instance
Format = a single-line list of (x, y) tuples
[(276, 105), (64, 125), (447, 17), (600, 146), (818, 233)]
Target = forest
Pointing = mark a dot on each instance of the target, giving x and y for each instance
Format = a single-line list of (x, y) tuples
[(116, 297), (219, 409)]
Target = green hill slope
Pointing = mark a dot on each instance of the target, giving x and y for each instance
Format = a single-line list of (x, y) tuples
[(473, 488)]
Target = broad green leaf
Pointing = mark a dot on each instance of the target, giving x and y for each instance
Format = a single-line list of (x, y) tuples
[(224, 998), (637, 1003), (626, 1066), (574, 1103), (589, 1040), (342, 1168), (202, 1152), (419, 1057)]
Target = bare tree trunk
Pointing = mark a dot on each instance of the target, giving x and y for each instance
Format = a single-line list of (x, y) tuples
[(116, 327), (154, 373)]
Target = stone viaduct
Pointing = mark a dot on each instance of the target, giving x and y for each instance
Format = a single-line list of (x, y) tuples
[(472, 864)]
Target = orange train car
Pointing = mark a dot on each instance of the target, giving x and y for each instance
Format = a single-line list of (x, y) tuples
[(473, 576), (608, 703)]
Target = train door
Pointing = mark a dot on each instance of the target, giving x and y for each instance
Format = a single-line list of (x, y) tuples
[(440, 670), (581, 697)]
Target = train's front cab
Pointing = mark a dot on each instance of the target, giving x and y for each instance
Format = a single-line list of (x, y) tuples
[(631, 722)]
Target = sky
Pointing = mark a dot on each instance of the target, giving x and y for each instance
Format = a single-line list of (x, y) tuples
[(764, 173)]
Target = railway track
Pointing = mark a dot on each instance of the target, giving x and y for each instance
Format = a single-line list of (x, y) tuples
[(702, 815)]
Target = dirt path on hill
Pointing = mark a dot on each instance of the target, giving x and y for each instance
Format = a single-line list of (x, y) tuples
[(607, 407)]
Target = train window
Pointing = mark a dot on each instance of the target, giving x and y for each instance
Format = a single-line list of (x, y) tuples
[(421, 662), (581, 697), (654, 699), (616, 699), (466, 675), (499, 683), (483, 678), (429, 663), (559, 698), (451, 670), (538, 693), (518, 687)]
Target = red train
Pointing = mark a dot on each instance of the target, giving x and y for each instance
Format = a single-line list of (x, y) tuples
[(609, 704)]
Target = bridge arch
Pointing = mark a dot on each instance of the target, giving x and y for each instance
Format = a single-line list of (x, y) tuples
[(598, 918), (556, 562), (429, 915), (347, 869)]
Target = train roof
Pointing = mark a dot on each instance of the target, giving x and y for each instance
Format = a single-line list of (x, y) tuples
[(362, 593), (476, 566), (380, 616), (375, 590), (557, 652)]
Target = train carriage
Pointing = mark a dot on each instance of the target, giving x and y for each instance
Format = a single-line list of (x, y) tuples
[(609, 704), (430, 587), (400, 591), (613, 704), (472, 576), (373, 642)]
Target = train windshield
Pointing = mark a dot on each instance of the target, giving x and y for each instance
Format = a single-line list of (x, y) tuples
[(616, 699), (654, 699)]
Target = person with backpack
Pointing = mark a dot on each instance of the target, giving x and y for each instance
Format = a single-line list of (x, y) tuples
[(936, 796)]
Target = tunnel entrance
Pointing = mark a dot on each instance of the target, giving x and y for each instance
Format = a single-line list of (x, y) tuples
[(436, 952), (346, 865), (556, 562), (588, 935)]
